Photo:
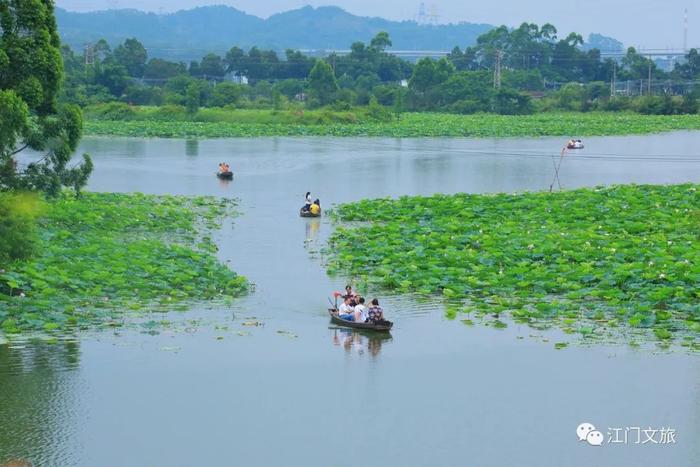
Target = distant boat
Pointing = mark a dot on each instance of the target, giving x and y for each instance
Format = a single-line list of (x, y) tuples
[(384, 326), (574, 144), (303, 213), (225, 175)]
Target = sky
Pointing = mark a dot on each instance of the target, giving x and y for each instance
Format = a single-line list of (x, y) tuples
[(648, 24)]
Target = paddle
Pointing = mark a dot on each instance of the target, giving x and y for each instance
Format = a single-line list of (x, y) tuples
[(335, 307)]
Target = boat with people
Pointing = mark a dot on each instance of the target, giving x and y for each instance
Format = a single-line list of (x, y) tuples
[(304, 213), (310, 208), (225, 175), (383, 326), (353, 313), (574, 144), (224, 172)]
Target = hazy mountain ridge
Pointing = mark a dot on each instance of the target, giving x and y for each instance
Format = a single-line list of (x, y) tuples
[(189, 34), (186, 33)]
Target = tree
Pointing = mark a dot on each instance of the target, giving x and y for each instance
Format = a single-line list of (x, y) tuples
[(112, 76), (192, 99), (132, 55), (157, 68), (423, 75), (226, 94), (235, 61), (511, 102), (637, 66), (691, 68), (429, 73), (212, 66), (31, 69), (380, 42), (322, 82)]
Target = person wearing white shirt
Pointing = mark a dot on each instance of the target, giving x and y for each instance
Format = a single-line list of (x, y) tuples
[(361, 311), (345, 311)]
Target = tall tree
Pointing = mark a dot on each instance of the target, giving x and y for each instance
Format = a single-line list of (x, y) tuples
[(380, 42), (212, 66), (31, 69), (132, 55), (322, 82)]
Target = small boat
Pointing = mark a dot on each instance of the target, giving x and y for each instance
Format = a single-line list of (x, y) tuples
[(303, 213), (575, 144), (225, 175), (384, 326)]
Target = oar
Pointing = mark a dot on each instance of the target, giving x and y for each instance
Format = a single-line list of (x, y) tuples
[(335, 307), (556, 171)]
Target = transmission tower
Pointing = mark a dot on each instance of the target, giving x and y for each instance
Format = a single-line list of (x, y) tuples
[(685, 31), (421, 17), (433, 16)]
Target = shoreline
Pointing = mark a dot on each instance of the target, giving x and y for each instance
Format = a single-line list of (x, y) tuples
[(415, 125)]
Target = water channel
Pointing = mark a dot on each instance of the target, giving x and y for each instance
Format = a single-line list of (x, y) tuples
[(294, 390)]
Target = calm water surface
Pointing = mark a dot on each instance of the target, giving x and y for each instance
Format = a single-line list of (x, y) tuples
[(211, 390)]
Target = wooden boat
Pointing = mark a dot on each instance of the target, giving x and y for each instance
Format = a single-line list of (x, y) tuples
[(225, 175), (576, 144), (335, 319), (303, 213)]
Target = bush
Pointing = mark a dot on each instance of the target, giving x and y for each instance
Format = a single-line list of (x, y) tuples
[(110, 111), (143, 95), (468, 106), (377, 112), (18, 213), (511, 102), (226, 94), (169, 112), (616, 104)]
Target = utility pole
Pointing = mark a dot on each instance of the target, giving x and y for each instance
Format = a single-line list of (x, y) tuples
[(497, 71), (613, 81), (649, 78)]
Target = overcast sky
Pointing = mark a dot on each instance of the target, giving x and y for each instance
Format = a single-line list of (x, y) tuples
[(641, 23)]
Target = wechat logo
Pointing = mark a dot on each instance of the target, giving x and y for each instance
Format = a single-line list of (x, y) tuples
[(587, 432)]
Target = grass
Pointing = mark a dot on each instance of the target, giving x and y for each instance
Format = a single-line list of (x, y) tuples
[(589, 260), (102, 255), (216, 123)]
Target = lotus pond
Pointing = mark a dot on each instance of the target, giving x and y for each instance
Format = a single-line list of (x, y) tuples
[(408, 125), (102, 254), (616, 256), (225, 381)]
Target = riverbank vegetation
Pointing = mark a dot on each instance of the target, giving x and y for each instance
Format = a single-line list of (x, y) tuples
[(539, 72), (99, 257), (620, 257), (120, 120)]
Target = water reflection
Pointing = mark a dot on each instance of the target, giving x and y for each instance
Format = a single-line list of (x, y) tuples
[(192, 147), (38, 402), (312, 228), (223, 182), (359, 342)]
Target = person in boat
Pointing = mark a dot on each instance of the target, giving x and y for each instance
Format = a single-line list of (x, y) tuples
[(315, 208), (360, 311), (346, 311), (307, 202), (349, 292), (375, 313)]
